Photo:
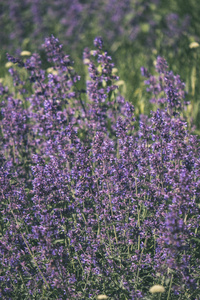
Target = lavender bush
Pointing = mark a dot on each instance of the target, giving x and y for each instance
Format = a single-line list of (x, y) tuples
[(93, 200)]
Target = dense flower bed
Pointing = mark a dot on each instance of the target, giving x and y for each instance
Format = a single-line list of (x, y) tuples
[(93, 200)]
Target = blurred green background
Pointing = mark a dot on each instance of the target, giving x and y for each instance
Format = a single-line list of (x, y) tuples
[(135, 32)]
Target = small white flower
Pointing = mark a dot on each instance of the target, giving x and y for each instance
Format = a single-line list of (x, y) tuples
[(9, 64), (157, 289), (102, 297), (52, 71), (120, 82), (86, 61), (25, 53), (194, 45)]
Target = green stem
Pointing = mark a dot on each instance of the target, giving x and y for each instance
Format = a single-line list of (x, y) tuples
[(30, 251), (170, 288), (138, 270)]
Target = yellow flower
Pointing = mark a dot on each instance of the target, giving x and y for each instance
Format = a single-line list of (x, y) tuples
[(193, 45), (25, 53), (9, 64), (120, 82), (157, 289), (102, 297), (114, 70), (52, 71)]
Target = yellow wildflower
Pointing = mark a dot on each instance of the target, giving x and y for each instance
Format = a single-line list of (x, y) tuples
[(25, 53), (157, 289), (193, 45), (102, 297)]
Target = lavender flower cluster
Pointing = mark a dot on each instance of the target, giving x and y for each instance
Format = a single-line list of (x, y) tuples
[(94, 201)]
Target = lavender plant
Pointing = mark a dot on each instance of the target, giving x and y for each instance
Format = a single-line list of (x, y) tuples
[(105, 204), (135, 32), (35, 19)]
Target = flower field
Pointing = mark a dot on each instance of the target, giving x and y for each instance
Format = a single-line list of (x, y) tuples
[(99, 173)]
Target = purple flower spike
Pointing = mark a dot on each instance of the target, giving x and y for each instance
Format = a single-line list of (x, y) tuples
[(98, 42)]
